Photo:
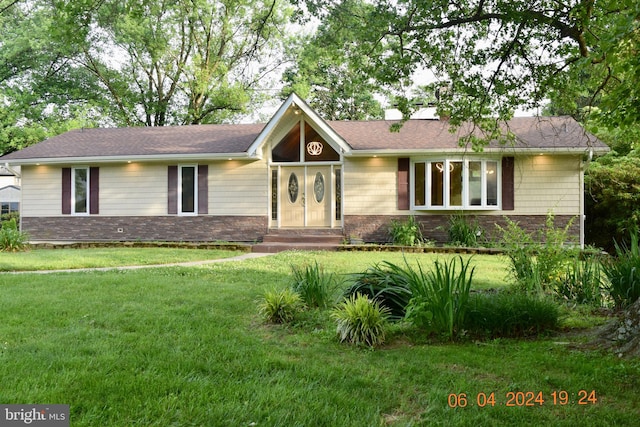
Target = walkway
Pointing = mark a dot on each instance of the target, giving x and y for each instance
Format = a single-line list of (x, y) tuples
[(245, 256)]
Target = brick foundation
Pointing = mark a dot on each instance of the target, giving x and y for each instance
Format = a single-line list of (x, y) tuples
[(164, 228), (375, 228)]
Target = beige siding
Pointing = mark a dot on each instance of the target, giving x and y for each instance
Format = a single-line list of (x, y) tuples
[(133, 189), (370, 186), (542, 184), (41, 191), (547, 183), (238, 188)]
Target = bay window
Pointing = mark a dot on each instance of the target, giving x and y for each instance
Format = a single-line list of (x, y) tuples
[(455, 184)]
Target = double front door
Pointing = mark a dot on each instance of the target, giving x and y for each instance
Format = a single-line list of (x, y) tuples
[(305, 194)]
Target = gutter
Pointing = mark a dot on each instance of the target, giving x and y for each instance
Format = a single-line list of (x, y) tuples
[(13, 171), (131, 159)]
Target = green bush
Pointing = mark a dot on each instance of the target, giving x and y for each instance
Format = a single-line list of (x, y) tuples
[(280, 306), (314, 285), (582, 282), (406, 233), (383, 285), (361, 321), (12, 239), (537, 261), (623, 273), (464, 233), (510, 315), (439, 296)]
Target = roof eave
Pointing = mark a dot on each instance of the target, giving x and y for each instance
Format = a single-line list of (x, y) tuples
[(131, 159), (493, 150)]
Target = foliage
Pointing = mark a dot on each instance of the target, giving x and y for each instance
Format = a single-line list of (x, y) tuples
[(361, 321), (314, 285), (68, 64), (623, 272), (493, 57), (384, 285), (406, 233), (280, 306), (510, 315), (334, 80), (439, 297), (537, 259), (12, 239), (463, 232), (582, 282), (612, 196)]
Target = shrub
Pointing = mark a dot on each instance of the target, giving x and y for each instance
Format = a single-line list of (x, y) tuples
[(12, 239), (361, 321), (440, 296), (510, 315), (383, 285), (463, 233), (313, 284), (280, 306), (536, 262), (406, 233), (623, 273), (582, 282)]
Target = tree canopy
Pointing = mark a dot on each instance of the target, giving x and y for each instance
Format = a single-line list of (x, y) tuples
[(491, 57), (65, 63)]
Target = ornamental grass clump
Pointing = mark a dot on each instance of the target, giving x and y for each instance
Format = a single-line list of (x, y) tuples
[(385, 286), (623, 272), (280, 306), (12, 239), (361, 321), (440, 296), (314, 285)]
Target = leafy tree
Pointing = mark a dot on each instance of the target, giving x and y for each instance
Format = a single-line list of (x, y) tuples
[(493, 55), (66, 63), (330, 69)]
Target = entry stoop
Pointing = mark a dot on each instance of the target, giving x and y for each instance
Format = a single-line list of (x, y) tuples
[(300, 239)]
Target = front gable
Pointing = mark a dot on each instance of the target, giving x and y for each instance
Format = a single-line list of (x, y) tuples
[(293, 122)]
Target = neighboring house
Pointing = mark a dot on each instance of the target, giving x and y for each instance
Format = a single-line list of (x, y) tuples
[(9, 191), (239, 182)]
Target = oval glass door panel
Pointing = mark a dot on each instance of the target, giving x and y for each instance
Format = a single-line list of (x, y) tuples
[(293, 188), (318, 187)]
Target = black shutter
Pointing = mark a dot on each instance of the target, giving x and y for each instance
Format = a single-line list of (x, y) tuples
[(508, 166), (403, 183), (203, 189), (66, 191), (172, 199), (94, 191)]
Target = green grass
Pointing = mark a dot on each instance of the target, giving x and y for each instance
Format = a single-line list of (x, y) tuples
[(59, 259), (186, 347)]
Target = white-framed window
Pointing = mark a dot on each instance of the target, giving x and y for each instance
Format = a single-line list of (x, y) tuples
[(80, 187), (455, 183), (188, 189)]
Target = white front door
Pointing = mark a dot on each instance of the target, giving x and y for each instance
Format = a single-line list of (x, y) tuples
[(305, 196)]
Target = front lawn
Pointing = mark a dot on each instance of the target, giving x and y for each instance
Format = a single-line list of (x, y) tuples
[(185, 346)]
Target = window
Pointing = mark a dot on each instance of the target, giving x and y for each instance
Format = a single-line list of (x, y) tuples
[(80, 191), (8, 207), (188, 189), (455, 184)]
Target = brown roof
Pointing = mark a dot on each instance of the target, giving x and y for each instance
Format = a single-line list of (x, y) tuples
[(531, 133), (555, 133)]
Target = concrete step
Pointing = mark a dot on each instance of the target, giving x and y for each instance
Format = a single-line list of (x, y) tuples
[(300, 239)]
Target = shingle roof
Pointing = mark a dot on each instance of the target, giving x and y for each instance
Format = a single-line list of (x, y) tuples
[(531, 133), (545, 133)]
